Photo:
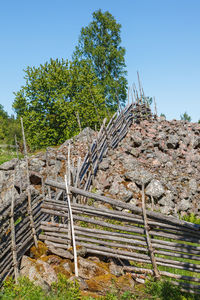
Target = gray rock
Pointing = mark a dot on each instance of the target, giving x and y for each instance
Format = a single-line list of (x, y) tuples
[(40, 272), (88, 269), (130, 163), (114, 190), (167, 200), (104, 165), (183, 205), (124, 194), (133, 201), (81, 282), (173, 142), (2, 177), (9, 165), (196, 143), (169, 164), (193, 185), (115, 269), (166, 210), (155, 189), (36, 162), (133, 187), (136, 140), (139, 176)]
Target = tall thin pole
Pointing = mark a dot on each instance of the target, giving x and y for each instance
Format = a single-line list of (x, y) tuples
[(30, 213), (72, 228), (151, 251), (18, 164), (13, 240)]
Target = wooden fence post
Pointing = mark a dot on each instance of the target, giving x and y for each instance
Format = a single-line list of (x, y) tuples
[(13, 241), (30, 213), (19, 170), (151, 251), (72, 228)]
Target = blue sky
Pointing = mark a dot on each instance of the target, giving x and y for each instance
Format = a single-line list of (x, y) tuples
[(161, 37)]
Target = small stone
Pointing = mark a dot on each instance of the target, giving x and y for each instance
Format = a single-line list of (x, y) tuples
[(184, 205), (124, 194), (104, 165), (139, 176), (193, 185), (114, 190), (155, 189), (115, 269), (196, 143), (173, 142)]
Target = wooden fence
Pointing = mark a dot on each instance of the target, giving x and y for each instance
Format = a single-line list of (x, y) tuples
[(16, 224), (123, 235), (22, 231), (153, 243)]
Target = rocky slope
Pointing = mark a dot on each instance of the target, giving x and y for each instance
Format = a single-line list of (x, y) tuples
[(165, 156), (51, 164)]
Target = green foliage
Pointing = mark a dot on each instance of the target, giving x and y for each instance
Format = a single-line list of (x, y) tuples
[(165, 290), (9, 127), (99, 42), (65, 289), (7, 154), (162, 115), (53, 94), (191, 218), (91, 86), (25, 290), (185, 117)]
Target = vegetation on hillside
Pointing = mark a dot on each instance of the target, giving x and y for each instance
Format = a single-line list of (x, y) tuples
[(91, 86)]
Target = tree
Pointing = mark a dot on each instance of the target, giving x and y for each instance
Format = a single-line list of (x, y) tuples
[(99, 42), (162, 115), (9, 127), (53, 94), (185, 117)]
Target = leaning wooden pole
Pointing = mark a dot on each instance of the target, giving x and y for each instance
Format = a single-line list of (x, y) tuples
[(30, 213), (146, 227), (18, 165), (72, 228), (13, 240)]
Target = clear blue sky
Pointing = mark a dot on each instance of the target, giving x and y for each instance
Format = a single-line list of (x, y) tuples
[(161, 37)]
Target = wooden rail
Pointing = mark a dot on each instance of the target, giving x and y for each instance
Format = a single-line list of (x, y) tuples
[(113, 233)]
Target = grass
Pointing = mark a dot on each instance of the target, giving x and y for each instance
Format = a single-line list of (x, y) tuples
[(7, 154), (68, 290)]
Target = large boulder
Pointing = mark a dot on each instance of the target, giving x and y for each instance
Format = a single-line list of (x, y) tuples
[(38, 271)]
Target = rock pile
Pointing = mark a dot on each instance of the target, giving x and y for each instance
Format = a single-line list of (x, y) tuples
[(42, 165), (165, 156), (95, 274)]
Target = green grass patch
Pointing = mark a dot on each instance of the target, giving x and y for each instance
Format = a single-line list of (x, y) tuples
[(7, 154)]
